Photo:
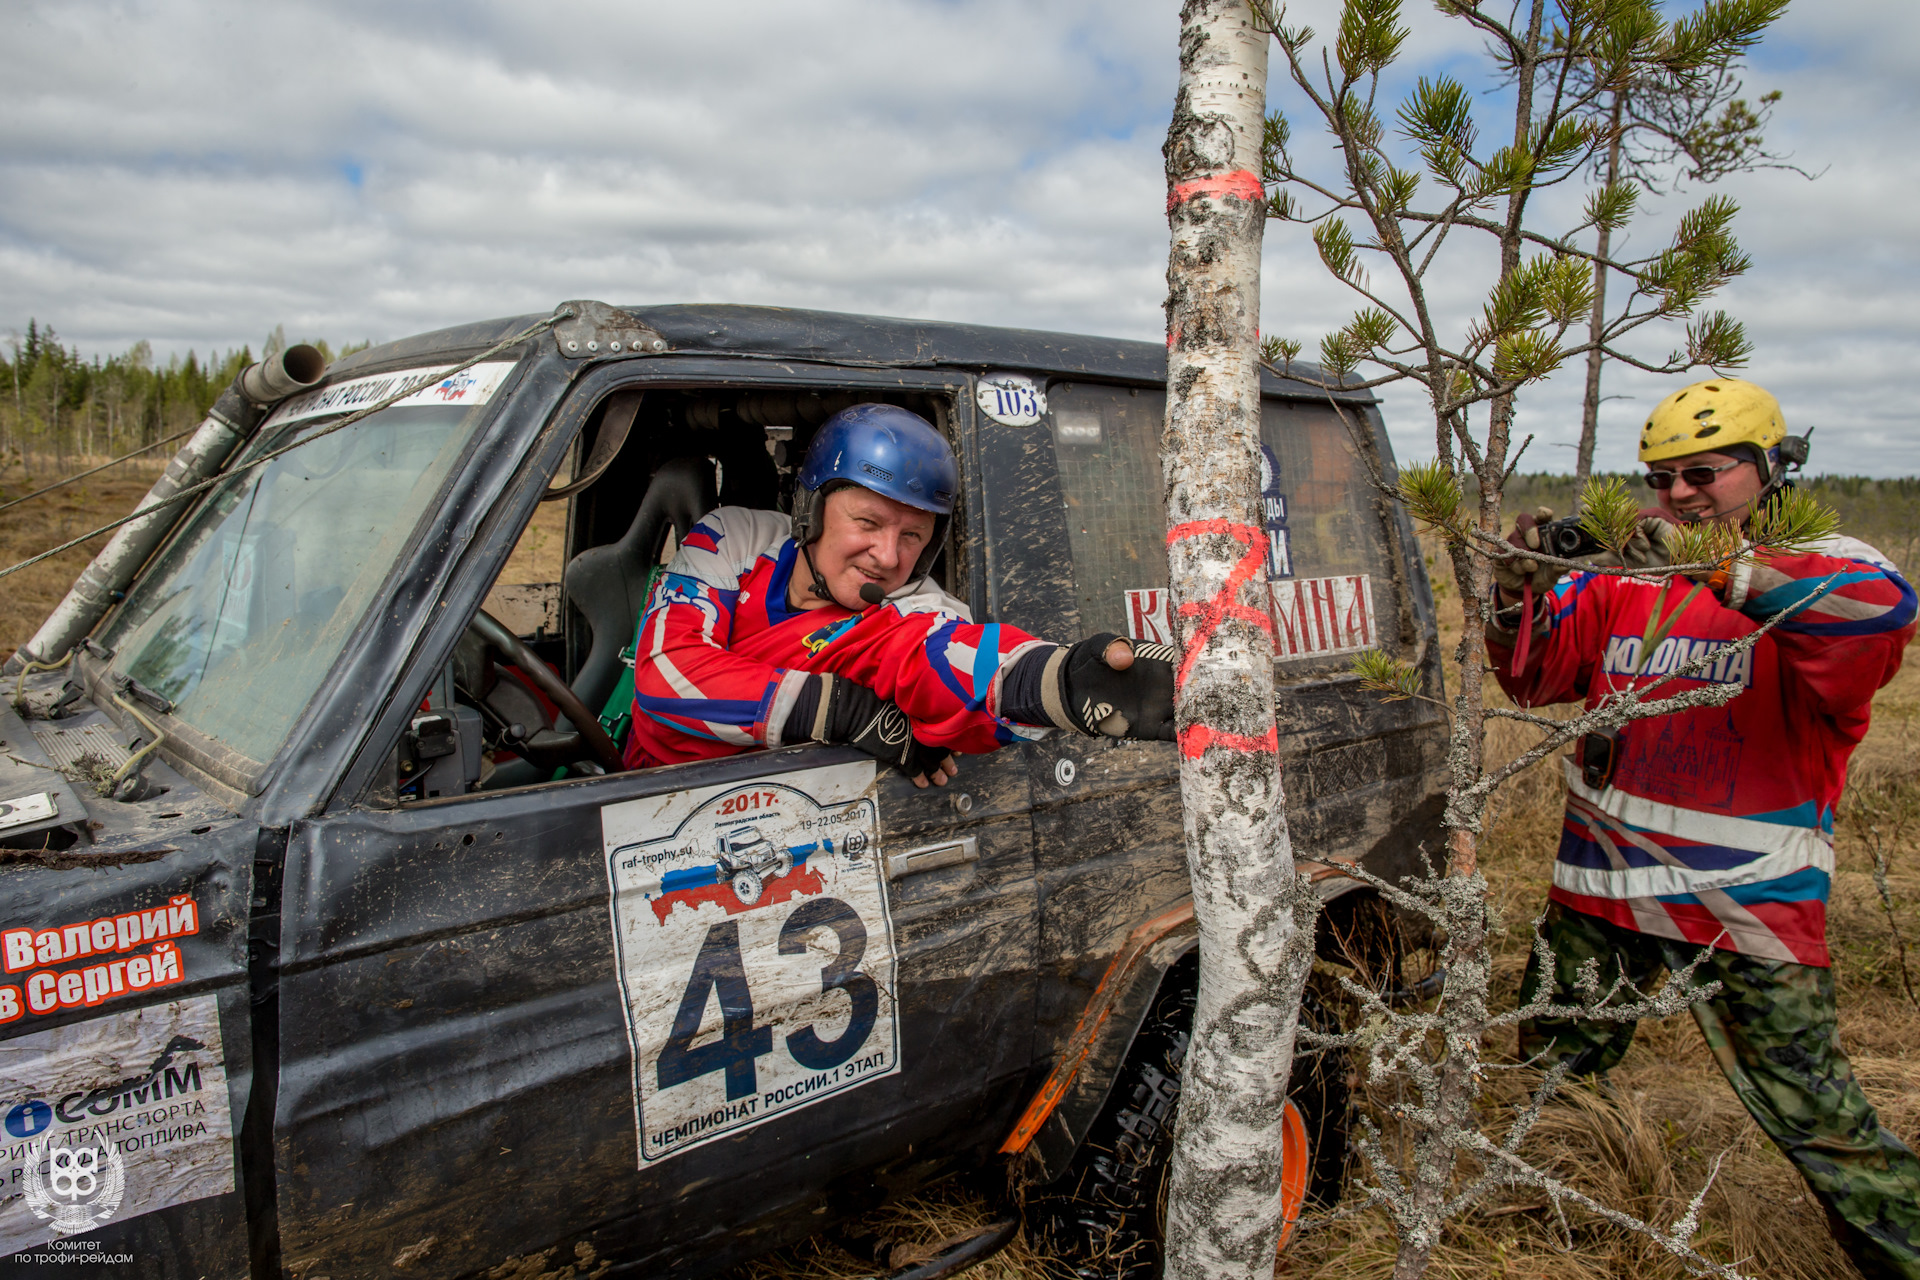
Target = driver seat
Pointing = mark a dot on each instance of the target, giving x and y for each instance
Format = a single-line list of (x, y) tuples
[(608, 584)]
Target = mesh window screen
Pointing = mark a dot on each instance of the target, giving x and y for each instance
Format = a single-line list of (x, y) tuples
[(1107, 440), (1333, 522)]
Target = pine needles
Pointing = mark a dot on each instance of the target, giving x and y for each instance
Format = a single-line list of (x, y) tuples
[(1609, 514), (1792, 522)]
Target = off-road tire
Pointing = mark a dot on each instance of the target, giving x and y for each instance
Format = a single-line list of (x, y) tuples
[(1102, 1219)]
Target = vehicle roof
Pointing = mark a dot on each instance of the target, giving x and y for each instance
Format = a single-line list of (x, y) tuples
[(831, 337)]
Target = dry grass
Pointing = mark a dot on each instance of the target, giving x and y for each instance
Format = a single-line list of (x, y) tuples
[(27, 597), (540, 554), (903, 1233)]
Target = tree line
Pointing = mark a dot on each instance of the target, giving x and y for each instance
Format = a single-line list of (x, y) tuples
[(58, 405), (1884, 512)]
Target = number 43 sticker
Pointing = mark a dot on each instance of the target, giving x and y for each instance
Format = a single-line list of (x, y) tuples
[(755, 950)]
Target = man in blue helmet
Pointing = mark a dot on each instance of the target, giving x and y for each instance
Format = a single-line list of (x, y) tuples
[(827, 626)]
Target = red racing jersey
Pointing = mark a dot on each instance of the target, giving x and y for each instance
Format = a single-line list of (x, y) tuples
[(720, 657), (1717, 827)]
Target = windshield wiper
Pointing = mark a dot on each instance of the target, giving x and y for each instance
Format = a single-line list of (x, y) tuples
[(159, 702)]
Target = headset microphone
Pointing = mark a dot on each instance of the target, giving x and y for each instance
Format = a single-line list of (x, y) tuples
[(872, 593)]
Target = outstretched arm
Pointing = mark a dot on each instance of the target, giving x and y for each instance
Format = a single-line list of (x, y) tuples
[(1852, 616), (975, 687)]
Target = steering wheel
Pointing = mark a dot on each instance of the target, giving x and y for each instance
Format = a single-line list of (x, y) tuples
[(552, 748)]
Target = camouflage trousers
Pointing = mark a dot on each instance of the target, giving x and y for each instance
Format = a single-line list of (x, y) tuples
[(1772, 1030)]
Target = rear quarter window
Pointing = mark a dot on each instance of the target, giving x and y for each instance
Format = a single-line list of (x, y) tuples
[(1329, 570)]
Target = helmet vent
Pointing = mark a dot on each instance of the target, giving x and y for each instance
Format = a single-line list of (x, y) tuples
[(1711, 387), (1704, 432), (1704, 413), (872, 470)]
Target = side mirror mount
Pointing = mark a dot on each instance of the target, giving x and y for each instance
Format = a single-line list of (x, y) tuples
[(440, 752)]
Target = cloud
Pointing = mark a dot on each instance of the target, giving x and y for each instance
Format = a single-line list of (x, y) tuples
[(1828, 303), (196, 173)]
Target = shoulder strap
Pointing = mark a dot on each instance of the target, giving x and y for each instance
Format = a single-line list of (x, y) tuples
[(616, 717)]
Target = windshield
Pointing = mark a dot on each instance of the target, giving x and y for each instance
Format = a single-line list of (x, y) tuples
[(242, 615)]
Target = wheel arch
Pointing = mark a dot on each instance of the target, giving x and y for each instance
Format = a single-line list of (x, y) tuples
[(1057, 1117)]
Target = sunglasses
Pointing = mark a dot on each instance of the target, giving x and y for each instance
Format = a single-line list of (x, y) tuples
[(1698, 477)]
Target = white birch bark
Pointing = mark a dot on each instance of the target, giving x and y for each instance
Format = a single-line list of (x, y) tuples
[(1223, 1211)]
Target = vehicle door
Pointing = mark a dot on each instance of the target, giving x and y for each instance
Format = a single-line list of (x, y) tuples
[(1364, 779), (1108, 843), (668, 1015), (1076, 521)]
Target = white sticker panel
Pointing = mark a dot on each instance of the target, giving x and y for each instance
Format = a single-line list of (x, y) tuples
[(1273, 504), (1147, 616), (21, 810), (1312, 617), (1320, 617), (111, 1118), (468, 387), (1011, 398), (755, 950)]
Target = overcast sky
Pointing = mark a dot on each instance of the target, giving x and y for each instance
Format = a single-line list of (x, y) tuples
[(195, 172)]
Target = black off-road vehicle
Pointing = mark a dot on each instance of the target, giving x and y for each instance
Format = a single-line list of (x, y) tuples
[(374, 961)]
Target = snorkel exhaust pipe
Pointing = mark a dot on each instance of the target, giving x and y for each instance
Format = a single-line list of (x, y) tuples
[(273, 380), (232, 419)]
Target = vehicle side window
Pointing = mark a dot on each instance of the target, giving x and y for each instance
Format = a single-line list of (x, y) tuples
[(526, 593), (1329, 551), (1332, 521), (569, 596), (1107, 442)]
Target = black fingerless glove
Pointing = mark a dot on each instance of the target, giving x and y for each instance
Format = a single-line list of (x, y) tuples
[(834, 709), (1074, 688)]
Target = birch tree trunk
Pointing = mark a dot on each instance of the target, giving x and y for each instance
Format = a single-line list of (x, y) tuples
[(1224, 1208)]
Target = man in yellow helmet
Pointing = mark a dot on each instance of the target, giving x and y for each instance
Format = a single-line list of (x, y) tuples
[(1713, 828), (1717, 426)]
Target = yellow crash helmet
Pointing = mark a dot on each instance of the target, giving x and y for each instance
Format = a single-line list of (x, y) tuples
[(1712, 416)]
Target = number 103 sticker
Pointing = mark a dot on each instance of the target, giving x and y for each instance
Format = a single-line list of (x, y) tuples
[(755, 950), (1012, 398)]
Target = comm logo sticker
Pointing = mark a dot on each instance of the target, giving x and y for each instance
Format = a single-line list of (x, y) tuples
[(74, 1188), (109, 1118), (755, 950)]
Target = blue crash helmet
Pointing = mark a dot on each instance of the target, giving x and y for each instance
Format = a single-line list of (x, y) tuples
[(895, 453)]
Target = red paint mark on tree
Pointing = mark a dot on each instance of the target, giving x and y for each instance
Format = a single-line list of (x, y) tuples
[(1195, 739), (1241, 183), (1224, 604), (802, 882)]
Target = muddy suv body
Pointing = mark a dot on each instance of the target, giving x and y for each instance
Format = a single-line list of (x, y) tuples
[(348, 984)]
